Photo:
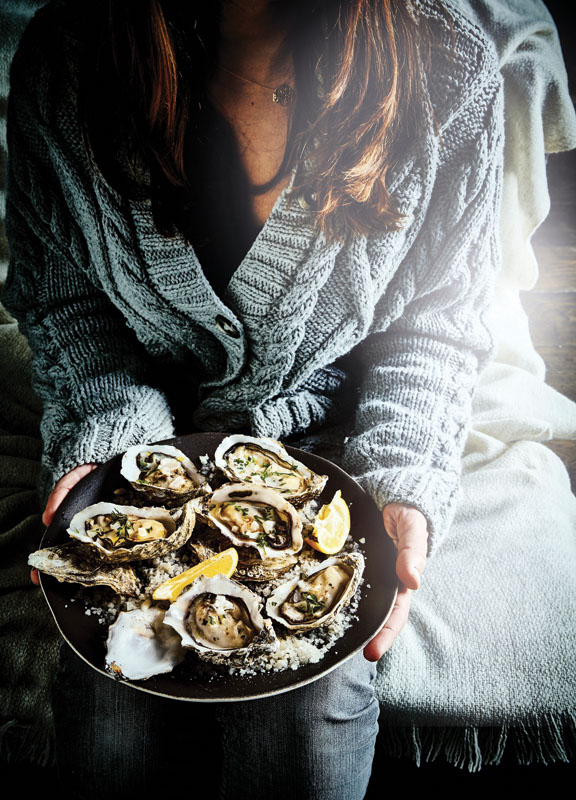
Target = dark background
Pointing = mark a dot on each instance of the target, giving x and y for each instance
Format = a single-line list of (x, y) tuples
[(551, 305)]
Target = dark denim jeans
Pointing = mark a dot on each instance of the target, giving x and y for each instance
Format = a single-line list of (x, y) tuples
[(313, 743)]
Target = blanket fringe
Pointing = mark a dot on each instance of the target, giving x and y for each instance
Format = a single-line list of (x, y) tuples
[(545, 741), (31, 743)]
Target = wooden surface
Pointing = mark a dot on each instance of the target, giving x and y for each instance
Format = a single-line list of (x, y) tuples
[(551, 305)]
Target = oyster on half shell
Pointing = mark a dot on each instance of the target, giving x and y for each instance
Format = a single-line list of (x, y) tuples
[(265, 462), (253, 516), (162, 473), (219, 618), (316, 597), (250, 567), (126, 533)]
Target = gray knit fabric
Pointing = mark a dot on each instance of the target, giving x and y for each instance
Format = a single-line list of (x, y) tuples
[(116, 314)]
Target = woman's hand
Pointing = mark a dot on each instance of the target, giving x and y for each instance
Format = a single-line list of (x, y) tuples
[(58, 494), (407, 527)]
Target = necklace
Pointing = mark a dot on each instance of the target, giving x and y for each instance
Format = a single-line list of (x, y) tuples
[(282, 94)]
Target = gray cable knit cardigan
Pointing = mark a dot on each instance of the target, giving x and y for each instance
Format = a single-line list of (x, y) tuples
[(116, 314)]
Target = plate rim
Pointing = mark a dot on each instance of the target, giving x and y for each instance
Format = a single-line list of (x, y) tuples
[(253, 695)]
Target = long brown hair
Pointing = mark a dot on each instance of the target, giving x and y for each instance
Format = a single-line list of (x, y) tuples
[(358, 66)]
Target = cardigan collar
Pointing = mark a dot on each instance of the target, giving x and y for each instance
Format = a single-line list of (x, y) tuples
[(288, 264)]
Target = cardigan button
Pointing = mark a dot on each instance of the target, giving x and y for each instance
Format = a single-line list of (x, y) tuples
[(226, 327)]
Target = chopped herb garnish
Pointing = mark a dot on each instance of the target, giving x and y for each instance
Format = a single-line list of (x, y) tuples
[(266, 471), (309, 604), (124, 529)]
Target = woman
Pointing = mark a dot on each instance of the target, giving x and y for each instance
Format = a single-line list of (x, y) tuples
[(292, 205)]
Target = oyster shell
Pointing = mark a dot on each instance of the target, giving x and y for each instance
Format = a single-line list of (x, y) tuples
[(74, 563), (162, 473), (220, 618), (140, 646), (256, 517), (265, 462), (120, 533), (251, 567), (315, 598)]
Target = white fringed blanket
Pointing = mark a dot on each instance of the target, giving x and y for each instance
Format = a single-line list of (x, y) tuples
[(490, 647)]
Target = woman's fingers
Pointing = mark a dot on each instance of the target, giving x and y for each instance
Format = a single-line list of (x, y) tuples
[(396, 621), (58, 494), (408, 527), (412, 548), (62, 488)]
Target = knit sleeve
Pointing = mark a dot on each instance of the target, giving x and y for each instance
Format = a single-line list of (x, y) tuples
[(89, 369), (419, 372)]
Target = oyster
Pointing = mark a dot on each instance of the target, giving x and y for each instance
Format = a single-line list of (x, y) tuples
[(251, 567), (315, 598), (265, 462), (140, 646), (126, 533), (255, 517), (162, 473), (76, 563), (219, 618)]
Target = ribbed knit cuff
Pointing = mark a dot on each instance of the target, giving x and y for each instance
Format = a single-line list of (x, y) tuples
[(290, 415), (432, 492)]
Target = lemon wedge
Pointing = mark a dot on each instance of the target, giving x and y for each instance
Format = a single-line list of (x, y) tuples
[(331, 526), (223, 563)]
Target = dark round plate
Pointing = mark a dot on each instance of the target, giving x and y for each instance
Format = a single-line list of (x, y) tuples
[(378, 592)]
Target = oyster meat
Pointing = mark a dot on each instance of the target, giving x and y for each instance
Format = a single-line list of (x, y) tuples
[(252, 516), (266, 462), (162, 472), (126, 533), (140, 646), (219, 617), (315, 598)]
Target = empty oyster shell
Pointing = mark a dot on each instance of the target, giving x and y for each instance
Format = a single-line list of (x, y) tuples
[(218, 618), (140, 646), (119, 532), (162, 473), (265, 462), (74, 563), (253, 516), (316, 597)]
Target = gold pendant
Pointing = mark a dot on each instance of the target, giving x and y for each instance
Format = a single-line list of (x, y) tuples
[(283, 95)]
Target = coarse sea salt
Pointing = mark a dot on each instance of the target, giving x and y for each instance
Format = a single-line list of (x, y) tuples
[(294, 649)]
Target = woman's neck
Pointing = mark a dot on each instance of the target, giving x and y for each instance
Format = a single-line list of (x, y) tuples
[(252, 39)]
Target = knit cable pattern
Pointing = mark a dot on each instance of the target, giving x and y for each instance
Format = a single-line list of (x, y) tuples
[(118, 316)]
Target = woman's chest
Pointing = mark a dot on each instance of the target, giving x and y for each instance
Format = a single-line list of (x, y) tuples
[(238, 151), (257, 131)]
